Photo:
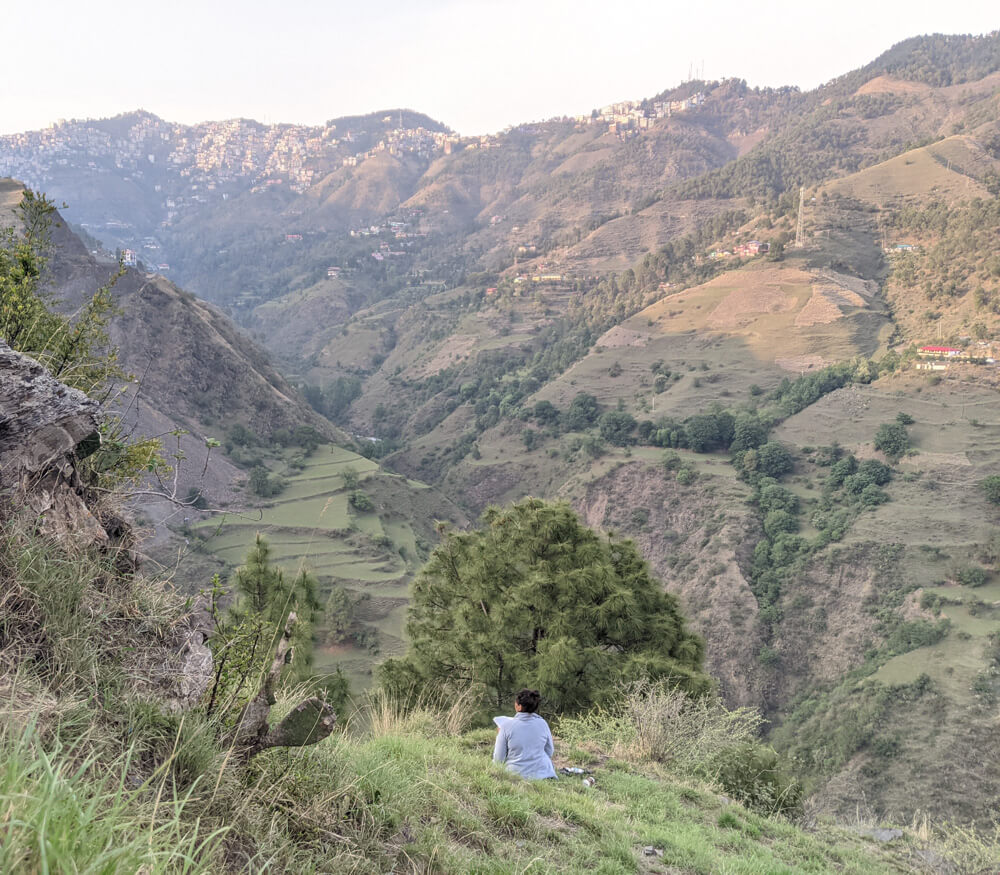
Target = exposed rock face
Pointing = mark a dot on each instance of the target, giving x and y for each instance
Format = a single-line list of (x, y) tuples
[(43, 425), (699, 544)]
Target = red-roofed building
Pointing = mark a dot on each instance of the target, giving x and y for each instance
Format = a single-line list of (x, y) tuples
[(940, 351)]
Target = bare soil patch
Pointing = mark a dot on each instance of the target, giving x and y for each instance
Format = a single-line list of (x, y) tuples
[(744, 305), (799, 363), (619, 336)]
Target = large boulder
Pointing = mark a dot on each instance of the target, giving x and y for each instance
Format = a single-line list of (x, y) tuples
[(44, 427)]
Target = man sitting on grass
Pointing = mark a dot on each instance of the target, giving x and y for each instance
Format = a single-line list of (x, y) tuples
[(524, 741)]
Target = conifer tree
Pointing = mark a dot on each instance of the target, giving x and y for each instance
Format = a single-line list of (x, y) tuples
[(246, 637), (535, 598)]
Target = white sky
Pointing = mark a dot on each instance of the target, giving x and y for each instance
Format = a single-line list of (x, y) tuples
[(477, 65)]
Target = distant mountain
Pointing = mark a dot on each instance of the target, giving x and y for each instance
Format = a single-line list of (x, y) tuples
[(195, 370)]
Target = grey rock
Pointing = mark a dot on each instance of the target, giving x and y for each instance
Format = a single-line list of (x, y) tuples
[(190, 669), (878, 834), (42, 425), (42, 421)]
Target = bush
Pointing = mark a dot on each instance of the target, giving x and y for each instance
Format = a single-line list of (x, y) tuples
[(660, 723), (751, 774), (582, 413), (616, 427), (778, 522), (686, 476), (774, 497), (360, 501), (875, 472), (196, 499), (262, 484), (991, 486), (770, 460), (671, 461), (972, 575), (872, 496), (892, 439), (350, 477), (841, 470)]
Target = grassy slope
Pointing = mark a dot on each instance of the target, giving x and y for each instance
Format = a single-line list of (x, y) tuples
[(97, 776), (404, 801), (940, 521), (446, 810)]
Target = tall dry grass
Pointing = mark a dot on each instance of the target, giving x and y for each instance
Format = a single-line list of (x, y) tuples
[(660, 723)]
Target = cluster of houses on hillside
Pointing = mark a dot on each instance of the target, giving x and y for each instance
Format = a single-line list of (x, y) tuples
[(899, 248), (631, 116), (398, 229), (407, 141), (750, 249)]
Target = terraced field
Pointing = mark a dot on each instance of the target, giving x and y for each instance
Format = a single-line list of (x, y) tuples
[(311, 526)]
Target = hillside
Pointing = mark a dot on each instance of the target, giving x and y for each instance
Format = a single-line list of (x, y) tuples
[(691, 316), (118, 755), (197, 378)]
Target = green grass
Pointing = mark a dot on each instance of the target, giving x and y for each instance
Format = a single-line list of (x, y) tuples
[(437, 804), (62, 810), (136, 788), (409, 800)]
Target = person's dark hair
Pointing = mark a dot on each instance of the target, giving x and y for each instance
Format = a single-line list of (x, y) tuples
[(528, 700)]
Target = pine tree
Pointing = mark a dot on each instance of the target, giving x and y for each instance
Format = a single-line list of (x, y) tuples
[(535, 598), (246, 637)]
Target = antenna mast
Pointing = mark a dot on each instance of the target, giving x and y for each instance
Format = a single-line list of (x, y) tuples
[(798, 226)]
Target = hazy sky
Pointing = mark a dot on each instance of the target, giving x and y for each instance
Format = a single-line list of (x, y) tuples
[(477, 66)]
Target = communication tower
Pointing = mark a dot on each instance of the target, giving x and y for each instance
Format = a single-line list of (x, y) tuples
[(798, 226)]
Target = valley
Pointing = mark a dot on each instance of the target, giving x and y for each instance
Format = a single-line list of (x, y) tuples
[(702, 329)]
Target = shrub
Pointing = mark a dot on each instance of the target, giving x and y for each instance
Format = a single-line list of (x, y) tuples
[(892, 439), (991, 486), (616, 427), (748, 433), (360, 501), (773, 460), (775, 497), (841, 470), (686, 476), (778, 522), (660, 723), (264, 485), (582, 412), (872, 496), (196, 499), (671, 461), (875, 472), (751, 774), (972, 575), (350, 477)]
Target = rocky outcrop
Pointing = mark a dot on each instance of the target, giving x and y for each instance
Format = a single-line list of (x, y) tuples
[(180, 672), (44, 427), (698, 541)]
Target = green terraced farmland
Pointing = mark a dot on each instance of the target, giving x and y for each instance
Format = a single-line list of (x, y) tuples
[(311, 526)]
